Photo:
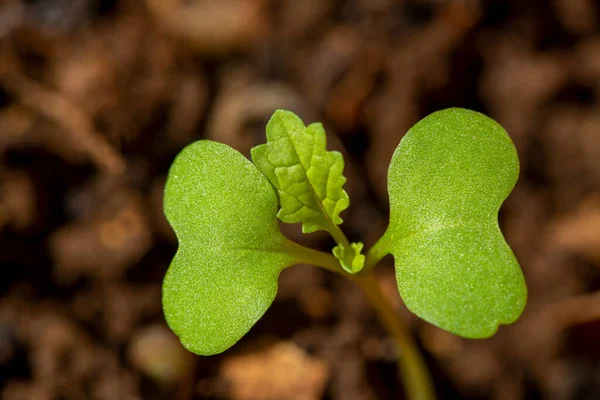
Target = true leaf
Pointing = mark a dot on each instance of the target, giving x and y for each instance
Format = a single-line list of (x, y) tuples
[(308, 178), (447, 181), (224, 275), (350, 257)]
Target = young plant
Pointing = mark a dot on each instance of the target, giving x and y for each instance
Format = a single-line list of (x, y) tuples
[(447, 180)]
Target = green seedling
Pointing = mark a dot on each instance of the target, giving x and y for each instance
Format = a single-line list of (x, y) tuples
[(447, 180)]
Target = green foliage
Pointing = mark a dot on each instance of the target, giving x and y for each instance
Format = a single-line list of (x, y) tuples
[(447, 180), (224, 275), (350, 257), (307, 177)]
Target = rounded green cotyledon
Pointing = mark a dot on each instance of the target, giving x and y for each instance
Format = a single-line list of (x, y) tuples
[(224, 275), (447, 180)]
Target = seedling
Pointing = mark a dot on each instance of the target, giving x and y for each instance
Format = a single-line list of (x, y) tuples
[(447, 180)]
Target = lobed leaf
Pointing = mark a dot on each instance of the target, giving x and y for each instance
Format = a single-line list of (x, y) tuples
[(308, 178), (350, 257), (224, 275), (447, 180)]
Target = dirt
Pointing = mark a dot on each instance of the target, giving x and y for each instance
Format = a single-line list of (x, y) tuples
[(97, 97)]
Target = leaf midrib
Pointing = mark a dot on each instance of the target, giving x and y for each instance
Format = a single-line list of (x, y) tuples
[(443, 228), (224, 249), (310, 185)]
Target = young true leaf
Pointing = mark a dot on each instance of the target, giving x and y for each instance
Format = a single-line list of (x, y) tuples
[(350, 257), (224, 275), (307, 177), (447, 180)]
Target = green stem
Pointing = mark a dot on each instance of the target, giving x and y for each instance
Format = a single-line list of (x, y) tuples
[(314, 257), (413, 369), (376, 253), (339, 236)]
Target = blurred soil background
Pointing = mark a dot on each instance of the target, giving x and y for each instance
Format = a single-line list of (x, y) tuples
[(97, 97)]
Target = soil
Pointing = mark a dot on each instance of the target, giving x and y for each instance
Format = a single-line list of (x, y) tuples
[(98, 96)]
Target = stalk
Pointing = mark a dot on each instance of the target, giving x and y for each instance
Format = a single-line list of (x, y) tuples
[(413, 370)]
